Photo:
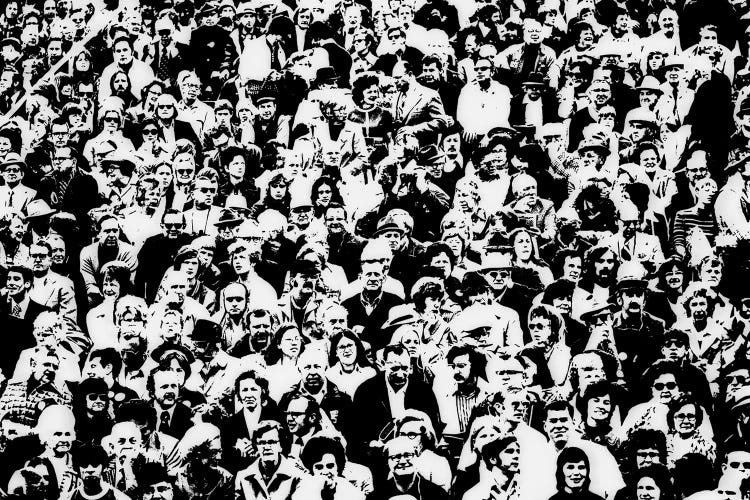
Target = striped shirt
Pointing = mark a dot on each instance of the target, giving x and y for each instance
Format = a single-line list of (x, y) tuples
[(464, 406)]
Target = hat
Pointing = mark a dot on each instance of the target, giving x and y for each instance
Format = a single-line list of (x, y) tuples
[(304, 267), (595, 310), (641, 115), (650, 83), (631, 284), (167, 347), (741, 399), (400, 315), (12, 41), (535, 79), (245, 8), (12, 159), (206, 330), (674, 61), (38, 208), (473, 283), (429, 155), (388, 224), (264, 95), (300, 200), (326, 74), (496, 260), (92, 386), (208, 8), (473, 318), (593, 145), (125, 165), (228, 218)]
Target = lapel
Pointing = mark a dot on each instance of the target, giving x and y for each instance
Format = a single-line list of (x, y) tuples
[(410, 101)]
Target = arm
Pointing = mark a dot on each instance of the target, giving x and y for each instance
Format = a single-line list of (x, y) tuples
[(89, 274)]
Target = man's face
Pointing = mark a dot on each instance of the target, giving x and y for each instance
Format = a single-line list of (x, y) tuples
[(95, 369), (45, 368), (558, 425), (461, 368), (205, 350), (633, 300), (269, 446), (499, 278), (190, 267), (335, 321), (373, 276), (172, 226), (604, 265), (166, 388), (109, 233), (395, 239), (674, 350), (398, 369), (302, 216), (241, 261), (711, 275), (431, 73), (91, 474), (696, 169), (127, 441), (296, 417), (62, 159), (335, 219), (16, 285), (204, 192), (267, 110), (665, 388), (483, 70), (312, 371), (303, 284), (648, 98), (5, 146), (41, 258), (600, 94), (235, 300), (647, 456), (509, 374), (739, 462), (590, 369), (159, 491), (532, 33), (123, 53)]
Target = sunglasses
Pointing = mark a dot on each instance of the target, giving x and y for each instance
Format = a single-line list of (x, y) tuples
[(96, 397), (111, 120), (674, 343), (172, 225), (501, 274), (737, 380), (660, 386), (737, 465), (537, 326), (150, 131)]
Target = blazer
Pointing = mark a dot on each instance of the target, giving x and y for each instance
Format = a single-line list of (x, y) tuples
[(235, 428), (422, 109), (372, 412), (373, 322), (180, 422), (22, 195), (90, 265), (56, 292), (22, 338)]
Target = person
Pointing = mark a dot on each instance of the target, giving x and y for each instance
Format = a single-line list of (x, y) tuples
[(324, 458), (501, 457), (404, 478), (90, 462), (573, 475)]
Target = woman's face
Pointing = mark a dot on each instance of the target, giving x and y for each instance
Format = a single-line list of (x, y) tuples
[(509, 457), (324, 195), (541, 332), (111, 122), (346, 351), (291, 343), (665, 389), (655, 61), (410, 341), (575, 474), (250, 394), (646, 489), (82, 64), (17, 228), (184, 168), (236, 167), (171, 328), (572, 269), (465, 200), (174, 367), (371, 95), (675, 279), (443, 263), (685, 420), (277, 191), (455, 245), (110, 288), (600, 407), (523, 247), (326, 467)]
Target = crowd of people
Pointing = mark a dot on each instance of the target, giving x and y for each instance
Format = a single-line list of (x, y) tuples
[(375, 249)]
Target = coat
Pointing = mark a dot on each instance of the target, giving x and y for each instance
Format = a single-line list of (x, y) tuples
[(56, 292), (371, 323), (421, 109), (90, 266)]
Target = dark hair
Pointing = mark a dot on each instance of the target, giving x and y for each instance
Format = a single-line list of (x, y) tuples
[(558, 262), (266, 426), (660, 368), (361, 358), (555, 320), (166, 361), (335, 193), (436, 249), (595, 390), (558, 289), (571, 454), (397, 349), (26, 273), (659, 474), (119, 274), (641, 439), (89, 454), (319, 446), (256, 378), (477, 360), (692, 473), (677, 404), (495, 447), (429, 290), (137, 410), (108, 356), (557, 406), (362, 83), (273, 353)]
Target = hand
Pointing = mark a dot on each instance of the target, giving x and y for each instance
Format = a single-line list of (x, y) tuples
[(421, 180), (245, 447)]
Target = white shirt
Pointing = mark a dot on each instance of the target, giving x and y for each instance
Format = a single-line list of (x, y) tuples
[(479, 111), (396, 400)]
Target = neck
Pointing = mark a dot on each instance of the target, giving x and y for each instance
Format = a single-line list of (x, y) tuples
[(371, 294), (92, 488), (700, 324), (467, 388)]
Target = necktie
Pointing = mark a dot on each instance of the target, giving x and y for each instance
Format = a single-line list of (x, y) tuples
[(164, 422), (10, 198), (121, 482), (162, 72), (15, 309)]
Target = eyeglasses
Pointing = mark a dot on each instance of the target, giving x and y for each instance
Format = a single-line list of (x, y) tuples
[(537, 326), (401, 456), (674, 343), (96, 397), (737, 380), (498, 273), (110, 119), (173, 225), (39, 256), (660, 386), (411, 435), (301, 210), (206, 190), (737, 465), (268, 442), (684, 416), (150, 131)]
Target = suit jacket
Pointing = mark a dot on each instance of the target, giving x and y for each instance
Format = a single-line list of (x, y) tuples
[(235, 428), (22, 195), (56, 292), (176, 59), (180, 422), (90, 265), (373, 322), (422, 109), (518, 110), (372, 412), (22, 337)]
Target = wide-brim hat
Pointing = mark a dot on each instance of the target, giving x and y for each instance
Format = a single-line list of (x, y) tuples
[(37, 209), (326, 74), (595, 310), (534, 80), (206, 330), (401, 315), (228, 218), (592, 145), (12, 41), (12, 159), (167, 347), (631, 284)]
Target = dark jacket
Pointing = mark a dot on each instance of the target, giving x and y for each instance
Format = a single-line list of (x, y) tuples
[(373, 322), (235, 428)]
